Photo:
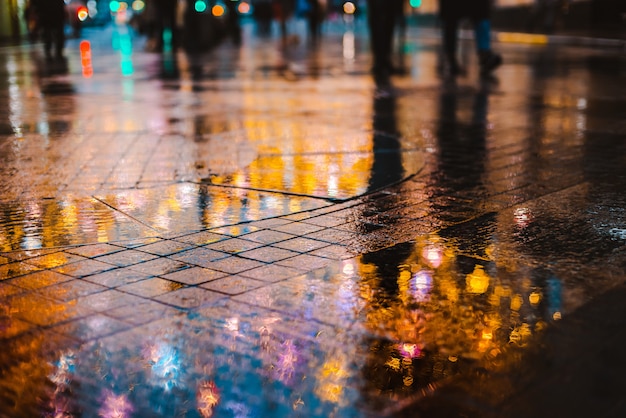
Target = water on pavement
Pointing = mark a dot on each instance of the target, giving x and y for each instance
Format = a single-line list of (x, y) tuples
[(259, 231)]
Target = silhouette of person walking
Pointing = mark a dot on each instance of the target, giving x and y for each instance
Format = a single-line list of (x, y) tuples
[(382, 18), (452, 12), (166, 30), (52, 16)]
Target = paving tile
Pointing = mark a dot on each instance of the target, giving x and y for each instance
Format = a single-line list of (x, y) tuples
[(201, 238), (270, 223), (159, 266), (305, 262), (233, 285), (126, 258), (142, 312), (94, 250), (165, 247), (297, 228), (134, 243), (331, 235), (11, 327), (268, 254), (301, 245), (150, 287), (84, 268), (72, 289), (91, 327), (236, 230), (272, 273), (298, 216), (326, 221), (202, 256), (16, 269), (39, 279), (194, 275), (108, 300), (190, 297), (26, 254), (235, 264), (334, 252), (7, 290), (44, 311), (234, 245), (268, 237), (117, 277), (55, 259)]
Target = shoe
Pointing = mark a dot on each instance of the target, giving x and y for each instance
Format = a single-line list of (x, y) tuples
[(489, 61)]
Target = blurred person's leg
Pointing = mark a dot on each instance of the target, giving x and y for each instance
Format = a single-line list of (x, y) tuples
[(450, 28), (46, 32), (488, 60), (381, 20), (59, 39)]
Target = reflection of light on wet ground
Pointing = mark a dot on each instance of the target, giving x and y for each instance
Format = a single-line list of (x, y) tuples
[(115, 406)]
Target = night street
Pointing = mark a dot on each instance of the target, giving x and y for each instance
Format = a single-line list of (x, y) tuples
[(258, 230)]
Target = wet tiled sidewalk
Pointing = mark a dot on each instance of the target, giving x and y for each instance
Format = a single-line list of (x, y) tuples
[(259, 231)]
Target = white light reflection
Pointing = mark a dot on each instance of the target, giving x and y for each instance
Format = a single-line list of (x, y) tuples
[(115, 406), (65, 368), (232, 324), (165, 364), (32, 228), (523, 217), (348, 268), (16, 107), (433, 254), (348, 46), (421, 285)]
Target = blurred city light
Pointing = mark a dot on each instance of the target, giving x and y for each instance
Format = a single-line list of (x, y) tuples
[(138, 5), (85, 59), (218, 10), (114, 6), (415, 3), (200, 6), (349, 8), (82, 13), (244, 8)]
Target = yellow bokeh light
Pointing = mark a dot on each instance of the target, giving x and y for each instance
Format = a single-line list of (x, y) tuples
[(516, 302), (477, 281), (349, 8), (534, 298)]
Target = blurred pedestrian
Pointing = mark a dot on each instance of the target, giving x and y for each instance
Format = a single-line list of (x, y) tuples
[(283, 9), (452, 13), (51, 16), (382, 18), (315, 14), (32, 21), (166, 28), (545, 15), (233, 25)]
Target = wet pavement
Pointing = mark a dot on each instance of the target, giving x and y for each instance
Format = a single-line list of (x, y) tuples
[(259, 231)]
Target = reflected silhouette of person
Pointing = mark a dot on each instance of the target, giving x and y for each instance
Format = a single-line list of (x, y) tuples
[(387, 165), (461, 144), (459, 177), (386, 169)]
